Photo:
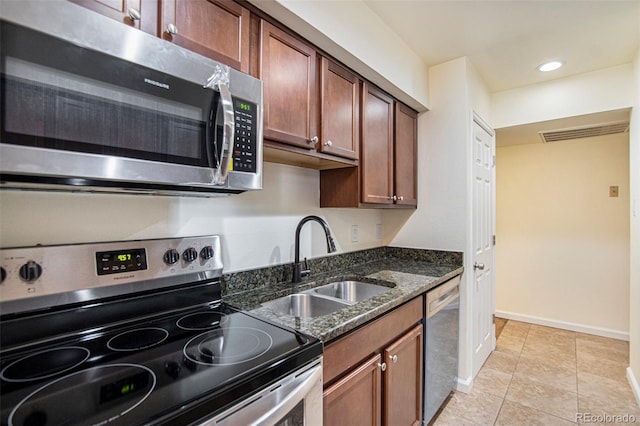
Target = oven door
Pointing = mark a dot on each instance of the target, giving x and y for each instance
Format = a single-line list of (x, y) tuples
[(295, 400), (114, 113)]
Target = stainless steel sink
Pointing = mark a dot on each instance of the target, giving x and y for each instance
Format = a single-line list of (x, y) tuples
[(305, 305), (351, 291)]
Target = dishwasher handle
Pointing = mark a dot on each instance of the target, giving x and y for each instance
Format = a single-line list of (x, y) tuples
[(442, 295)]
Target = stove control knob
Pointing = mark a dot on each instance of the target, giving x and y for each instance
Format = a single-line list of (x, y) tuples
[(206, 252), (173, 369), (190, 254), (3, 275), (30, 271), (171, 256)]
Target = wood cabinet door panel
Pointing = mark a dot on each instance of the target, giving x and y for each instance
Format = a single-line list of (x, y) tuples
[(218, 29), (355, 399), (406, 151), (403, 380), (288, 72), (340, 113), (119, 10), (377, 146)]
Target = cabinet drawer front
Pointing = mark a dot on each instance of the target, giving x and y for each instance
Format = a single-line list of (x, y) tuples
[(348, 351)]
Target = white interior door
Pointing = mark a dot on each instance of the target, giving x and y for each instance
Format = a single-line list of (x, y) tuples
[(483, 304)]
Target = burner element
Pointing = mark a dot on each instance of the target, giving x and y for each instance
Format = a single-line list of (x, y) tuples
[(202, 320), (44, 364), (140, 338), (227, 346), (120, 388)]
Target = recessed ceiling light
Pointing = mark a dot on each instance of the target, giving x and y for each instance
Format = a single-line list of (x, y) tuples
[(550, 66)]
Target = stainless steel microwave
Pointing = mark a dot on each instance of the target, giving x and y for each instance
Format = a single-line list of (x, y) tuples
[(90, 104)]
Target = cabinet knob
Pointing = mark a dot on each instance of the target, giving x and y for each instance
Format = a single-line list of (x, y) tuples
[(383, 366), (394, 198), (328, 143), (313, 140), (394, 358), (171, 29), (134, 14), (400, 198)]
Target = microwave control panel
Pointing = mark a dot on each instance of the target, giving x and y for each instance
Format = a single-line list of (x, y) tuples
[(245, 144)]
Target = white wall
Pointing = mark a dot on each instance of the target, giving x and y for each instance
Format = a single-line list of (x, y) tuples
[(634, 166), (443, 218), (440, 220), (257, 228), (563, 243), (603, 90)]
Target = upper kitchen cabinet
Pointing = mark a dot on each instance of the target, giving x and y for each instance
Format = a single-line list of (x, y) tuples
[(405, 155), (141, 14), (287, 68), (339, 110), (386, 175), (311, 104), (218, 29), (376, 167)]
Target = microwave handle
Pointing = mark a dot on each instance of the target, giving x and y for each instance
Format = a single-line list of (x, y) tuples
[(228, 135)]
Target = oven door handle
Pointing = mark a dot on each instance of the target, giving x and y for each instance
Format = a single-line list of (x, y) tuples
[(272, 404), (228, 134)]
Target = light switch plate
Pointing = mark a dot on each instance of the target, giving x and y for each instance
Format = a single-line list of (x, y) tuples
[(354, 234), (378, 231)]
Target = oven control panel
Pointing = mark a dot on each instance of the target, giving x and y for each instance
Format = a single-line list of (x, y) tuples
[(79, 272)]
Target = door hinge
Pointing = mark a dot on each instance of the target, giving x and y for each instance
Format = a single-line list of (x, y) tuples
[(493, 239)]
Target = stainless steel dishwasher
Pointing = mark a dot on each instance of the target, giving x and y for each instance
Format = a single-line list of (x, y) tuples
[(440, 345)]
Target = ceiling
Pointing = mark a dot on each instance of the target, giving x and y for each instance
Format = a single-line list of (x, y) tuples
[(507, 40)]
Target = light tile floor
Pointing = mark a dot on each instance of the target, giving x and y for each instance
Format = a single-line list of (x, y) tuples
[(547, 376)]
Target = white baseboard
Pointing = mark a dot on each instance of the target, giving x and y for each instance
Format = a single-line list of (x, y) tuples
[(464, 385), (634, 384), (581, 328)]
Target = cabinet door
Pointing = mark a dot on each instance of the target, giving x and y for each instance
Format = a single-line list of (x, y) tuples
[(288, 72), (406, 152), (340, 110), (376, 158), (403, 380), (355, 399), (218, 29), (141, 14)]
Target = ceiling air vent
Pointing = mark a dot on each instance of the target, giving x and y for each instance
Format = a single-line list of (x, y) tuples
[(585, 131)]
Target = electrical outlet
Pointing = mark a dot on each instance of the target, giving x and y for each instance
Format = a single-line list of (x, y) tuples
[(354, 234), (613, 191), (378, 231)]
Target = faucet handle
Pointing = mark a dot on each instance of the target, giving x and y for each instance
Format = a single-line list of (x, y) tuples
[(306, 271)]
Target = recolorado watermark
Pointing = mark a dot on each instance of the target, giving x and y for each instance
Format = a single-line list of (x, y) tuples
[(605, 418)]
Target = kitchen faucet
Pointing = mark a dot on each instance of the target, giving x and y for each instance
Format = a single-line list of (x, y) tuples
[(298, 272)]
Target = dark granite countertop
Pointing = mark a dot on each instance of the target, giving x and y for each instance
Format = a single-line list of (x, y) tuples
[(410, 272)]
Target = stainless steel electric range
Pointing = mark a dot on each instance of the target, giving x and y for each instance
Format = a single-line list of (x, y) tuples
[(135, 333)]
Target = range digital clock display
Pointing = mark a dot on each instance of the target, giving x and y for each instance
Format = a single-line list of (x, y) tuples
[(118, 261)]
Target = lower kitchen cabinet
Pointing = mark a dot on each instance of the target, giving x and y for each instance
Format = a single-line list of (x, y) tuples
[(403, 380), (373, 376), (355, 399)]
